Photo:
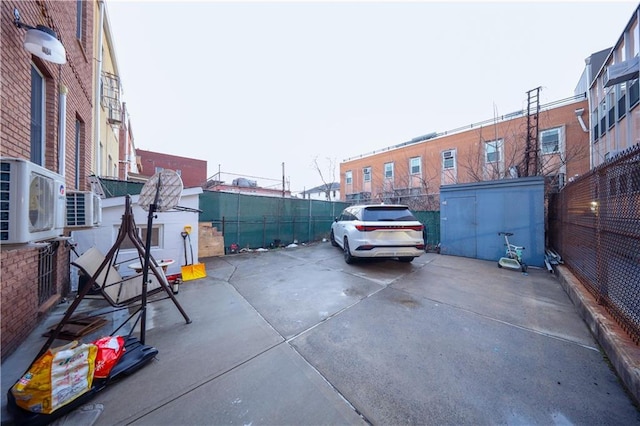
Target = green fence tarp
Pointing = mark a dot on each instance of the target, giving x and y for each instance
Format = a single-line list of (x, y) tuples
[(431, 222), (253, 221)]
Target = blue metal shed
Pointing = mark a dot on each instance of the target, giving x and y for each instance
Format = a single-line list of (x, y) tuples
[(471, 215)]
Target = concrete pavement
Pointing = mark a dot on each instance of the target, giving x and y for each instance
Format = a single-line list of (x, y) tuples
[(297, 336)]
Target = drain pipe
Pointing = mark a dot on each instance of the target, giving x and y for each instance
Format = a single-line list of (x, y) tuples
[(579, 113), (62, 129), (96, 106), (587, 63)]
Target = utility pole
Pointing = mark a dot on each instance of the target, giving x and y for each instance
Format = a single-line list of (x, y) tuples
[(283, 179)]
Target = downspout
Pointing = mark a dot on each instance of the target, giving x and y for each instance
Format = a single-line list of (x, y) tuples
[(62, 129), (587, 62), (96, 106)]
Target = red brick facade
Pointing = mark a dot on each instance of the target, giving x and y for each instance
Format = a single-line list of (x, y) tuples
[(19, 264), (192, 171), (469, 165), (19, 294)]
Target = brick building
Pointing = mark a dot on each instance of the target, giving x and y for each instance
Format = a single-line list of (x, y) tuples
[(46, 112), (192, 171), (412, 172)]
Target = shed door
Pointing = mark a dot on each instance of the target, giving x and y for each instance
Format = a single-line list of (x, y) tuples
[(460, 223)]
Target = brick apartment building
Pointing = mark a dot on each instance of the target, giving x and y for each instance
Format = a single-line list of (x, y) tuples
[(192, 171), (412, 172), (46, 119)]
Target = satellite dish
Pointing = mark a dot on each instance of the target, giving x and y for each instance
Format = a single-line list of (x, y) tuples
[(166, 186)]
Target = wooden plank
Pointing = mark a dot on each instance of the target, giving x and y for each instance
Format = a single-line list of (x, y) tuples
[(77, 327)]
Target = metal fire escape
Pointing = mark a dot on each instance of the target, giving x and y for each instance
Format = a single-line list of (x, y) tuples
[(531, 161)]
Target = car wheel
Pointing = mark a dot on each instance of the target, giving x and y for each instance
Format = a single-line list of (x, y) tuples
[(406, 259), (332, 238), (347, 254)]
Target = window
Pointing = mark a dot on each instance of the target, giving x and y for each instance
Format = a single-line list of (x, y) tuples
[(109, 164), (388, 170), (449, 160), (550, 141), (492, 151), (37, 116), (622, 94), (348, 177), (366, 174), (636, 39), (633, 93), (611, 104), (142, 232), (79, 19), (603, 117), (414, 165)]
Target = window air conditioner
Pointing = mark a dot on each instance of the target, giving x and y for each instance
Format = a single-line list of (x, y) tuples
[(31, 202), (84, 209)]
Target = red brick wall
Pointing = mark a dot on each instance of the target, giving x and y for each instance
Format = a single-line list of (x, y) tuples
[(76, 75), (19, 301), (468, 145), (193, 171), (19, 295)]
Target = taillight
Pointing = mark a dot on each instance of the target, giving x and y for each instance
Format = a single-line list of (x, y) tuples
[(368, 228)]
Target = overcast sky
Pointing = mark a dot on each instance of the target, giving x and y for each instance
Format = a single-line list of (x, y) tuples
[(248, 86)]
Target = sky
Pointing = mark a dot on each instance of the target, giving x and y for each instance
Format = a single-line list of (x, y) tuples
[(250, 86)]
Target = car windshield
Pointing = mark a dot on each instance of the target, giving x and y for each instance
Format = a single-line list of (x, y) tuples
[(378, 214)]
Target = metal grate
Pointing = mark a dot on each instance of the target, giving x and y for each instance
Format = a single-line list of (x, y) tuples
[(5, 200), (46, 272), (594, 223), (77, 210)]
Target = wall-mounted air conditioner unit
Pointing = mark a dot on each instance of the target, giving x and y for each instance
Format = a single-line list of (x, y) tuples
[(84, 209), (32, 202)]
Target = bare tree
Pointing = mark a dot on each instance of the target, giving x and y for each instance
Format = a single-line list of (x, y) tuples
[(330, 172), (509, 150), (418, 191), (552, 164)]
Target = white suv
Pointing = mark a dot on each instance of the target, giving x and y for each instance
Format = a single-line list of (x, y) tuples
[(378, 230)]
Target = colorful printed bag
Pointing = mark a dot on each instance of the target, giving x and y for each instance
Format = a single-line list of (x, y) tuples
[(56, 378)]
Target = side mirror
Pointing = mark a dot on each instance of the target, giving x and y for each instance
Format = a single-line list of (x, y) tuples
[(335, 219)]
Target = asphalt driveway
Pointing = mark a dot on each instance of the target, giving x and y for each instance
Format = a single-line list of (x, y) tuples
[(297, 336)]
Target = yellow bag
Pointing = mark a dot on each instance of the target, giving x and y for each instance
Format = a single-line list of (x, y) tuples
[(56, 378)]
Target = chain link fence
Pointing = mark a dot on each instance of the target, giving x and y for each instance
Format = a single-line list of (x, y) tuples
[(594, 224)]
